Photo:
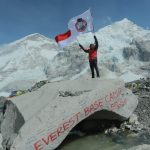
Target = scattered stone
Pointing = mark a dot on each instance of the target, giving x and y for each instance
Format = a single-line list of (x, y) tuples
[(111, 131), (129, 126), (69, 93), (142, 89), (133, 118), (38, 85)]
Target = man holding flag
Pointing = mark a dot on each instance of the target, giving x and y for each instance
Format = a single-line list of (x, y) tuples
[(78, 25), (92, 51)]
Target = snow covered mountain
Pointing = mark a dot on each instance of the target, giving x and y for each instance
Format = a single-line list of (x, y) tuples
[(25, 60), (124, 50)]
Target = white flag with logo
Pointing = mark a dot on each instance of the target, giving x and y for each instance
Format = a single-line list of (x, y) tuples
[(81, 24)]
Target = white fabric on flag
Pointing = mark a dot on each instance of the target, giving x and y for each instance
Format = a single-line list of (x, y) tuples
[(81, 24)]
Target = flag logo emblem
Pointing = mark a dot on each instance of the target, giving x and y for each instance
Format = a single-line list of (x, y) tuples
[(81, 25)]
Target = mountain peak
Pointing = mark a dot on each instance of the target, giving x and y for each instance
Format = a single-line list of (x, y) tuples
[(125, 21), (124, 24), (33, 37)]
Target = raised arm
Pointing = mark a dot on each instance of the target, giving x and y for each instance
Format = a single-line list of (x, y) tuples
[(85, 50), (96, 42)]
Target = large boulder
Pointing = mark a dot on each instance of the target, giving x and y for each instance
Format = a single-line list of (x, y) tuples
[(53, 110)]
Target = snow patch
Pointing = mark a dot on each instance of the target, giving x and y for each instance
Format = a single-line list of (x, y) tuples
[(129, 76), (49, 54)]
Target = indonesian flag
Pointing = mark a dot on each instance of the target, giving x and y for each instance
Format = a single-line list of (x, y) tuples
[(81, 24), (65, 38)]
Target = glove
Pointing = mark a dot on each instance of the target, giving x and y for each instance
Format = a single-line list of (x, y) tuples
[(94, 36), (80, 45)]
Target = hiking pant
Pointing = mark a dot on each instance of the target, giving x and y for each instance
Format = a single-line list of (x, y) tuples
[(93, 65)]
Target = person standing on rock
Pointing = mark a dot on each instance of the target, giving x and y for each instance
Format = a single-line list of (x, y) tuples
[(92, 51)]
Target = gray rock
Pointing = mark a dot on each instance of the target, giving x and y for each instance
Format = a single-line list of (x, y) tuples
[(133, 118), (112, 131), (138, 50), (144, 50), (70, 93), (11, 121)]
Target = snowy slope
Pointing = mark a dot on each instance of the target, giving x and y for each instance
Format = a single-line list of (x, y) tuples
[(124, 49), (25, 59)]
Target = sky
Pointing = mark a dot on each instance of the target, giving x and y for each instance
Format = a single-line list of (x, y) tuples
[(19, 18)]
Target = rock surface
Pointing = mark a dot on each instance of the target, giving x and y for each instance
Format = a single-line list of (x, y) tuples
[(51, 112), (141, 88), (11, 120)]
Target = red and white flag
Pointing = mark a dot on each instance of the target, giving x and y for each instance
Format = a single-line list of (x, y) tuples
[(65, 38), (81, 24)]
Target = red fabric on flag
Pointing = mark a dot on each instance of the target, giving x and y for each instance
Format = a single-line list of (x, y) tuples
[(63, 36)]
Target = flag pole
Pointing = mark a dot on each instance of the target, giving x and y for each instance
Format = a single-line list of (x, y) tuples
[(92, 22), (78, 40)]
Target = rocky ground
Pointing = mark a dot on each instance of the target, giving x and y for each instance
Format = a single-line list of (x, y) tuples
[(139, 122), (137, 127), (141, 88)]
